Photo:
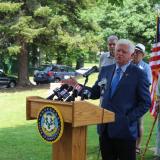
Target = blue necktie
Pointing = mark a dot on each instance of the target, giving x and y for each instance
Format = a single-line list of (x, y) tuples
[(115, 80)]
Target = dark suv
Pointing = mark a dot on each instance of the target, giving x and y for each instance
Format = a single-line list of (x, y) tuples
[(54, 73), (7, 81)]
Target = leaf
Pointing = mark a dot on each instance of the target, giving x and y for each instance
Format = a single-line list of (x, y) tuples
[(9, 7), (43, 12), (14, 49)]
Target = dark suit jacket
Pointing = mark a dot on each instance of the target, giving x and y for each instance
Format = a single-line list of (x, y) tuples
[(130, 101)]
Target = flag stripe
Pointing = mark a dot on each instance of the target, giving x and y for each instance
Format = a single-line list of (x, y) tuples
[(155, 58), (154, 62), (157, 44), (156, 49), (155, 67), (153, 54)]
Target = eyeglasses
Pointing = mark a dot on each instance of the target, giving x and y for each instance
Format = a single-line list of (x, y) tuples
[(137, 52)]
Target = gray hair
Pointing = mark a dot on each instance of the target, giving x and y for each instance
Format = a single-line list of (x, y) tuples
[(112, 37), (131, 46)]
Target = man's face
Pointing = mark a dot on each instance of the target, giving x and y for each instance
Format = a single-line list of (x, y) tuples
[(137, 56), (111, 46), (122, 54)]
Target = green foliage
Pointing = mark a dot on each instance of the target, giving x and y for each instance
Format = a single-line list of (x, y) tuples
[(43, 12), (57, 20), (116, 2), (9, 7), (134, 20), (23, 22), (140, 22), (14, 49), (25, 28)]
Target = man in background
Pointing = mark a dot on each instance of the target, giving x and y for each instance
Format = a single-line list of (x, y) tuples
[(107, 58), (138, 56)]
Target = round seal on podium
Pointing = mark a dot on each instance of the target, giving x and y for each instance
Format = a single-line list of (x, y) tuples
[(50, 124)]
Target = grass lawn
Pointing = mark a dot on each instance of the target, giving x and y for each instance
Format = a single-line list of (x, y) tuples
[(20, 140)]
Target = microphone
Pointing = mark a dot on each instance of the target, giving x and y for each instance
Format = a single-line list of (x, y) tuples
[(102, 82), (77, 89), (64, 93), (67, 94), (86, 94), (73, 96), (90, 71), (102, 85), (57, 91)]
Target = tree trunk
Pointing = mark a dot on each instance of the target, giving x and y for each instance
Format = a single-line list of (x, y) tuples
[(60, 58), (23, 76), (80, 61)]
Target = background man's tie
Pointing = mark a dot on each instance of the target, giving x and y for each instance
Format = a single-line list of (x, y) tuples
[(115, 80)]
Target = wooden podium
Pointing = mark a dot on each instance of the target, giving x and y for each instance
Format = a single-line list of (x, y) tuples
[(77, 116)]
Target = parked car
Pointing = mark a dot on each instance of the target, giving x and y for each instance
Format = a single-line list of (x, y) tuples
[(1, 70), (54, 73), (41, 68), (7, 81)]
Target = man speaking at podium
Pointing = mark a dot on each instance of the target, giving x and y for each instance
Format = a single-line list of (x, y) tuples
[(124, 89)]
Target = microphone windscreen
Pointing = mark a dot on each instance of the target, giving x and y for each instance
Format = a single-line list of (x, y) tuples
[(90, 71)]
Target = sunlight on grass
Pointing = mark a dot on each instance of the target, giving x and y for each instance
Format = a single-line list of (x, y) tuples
[(13, 106)]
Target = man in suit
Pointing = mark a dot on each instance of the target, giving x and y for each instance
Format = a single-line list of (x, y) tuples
[(126, 93)]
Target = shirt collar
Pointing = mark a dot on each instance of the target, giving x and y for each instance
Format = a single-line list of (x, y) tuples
[(141, 62), (124, 67), (110, 56)]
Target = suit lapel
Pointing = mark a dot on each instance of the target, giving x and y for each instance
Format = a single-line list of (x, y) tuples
[(110, 75)]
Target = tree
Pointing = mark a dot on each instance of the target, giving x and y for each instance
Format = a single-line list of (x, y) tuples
[(134, 20), (54, 25), (20, 30), (64, 29)]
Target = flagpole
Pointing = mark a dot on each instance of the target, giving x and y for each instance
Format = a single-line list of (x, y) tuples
[(150, 135)]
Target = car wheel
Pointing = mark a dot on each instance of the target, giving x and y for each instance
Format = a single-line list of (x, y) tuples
[(56, 80), (37, 83), (12, 84)]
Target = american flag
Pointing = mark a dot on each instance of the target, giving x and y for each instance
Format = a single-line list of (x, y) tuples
[(155, 66)]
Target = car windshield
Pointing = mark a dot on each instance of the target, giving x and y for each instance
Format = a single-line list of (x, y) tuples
[(70, 69), (47, 69)]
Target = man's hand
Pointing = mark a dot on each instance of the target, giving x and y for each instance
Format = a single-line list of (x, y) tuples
[(71, 82)]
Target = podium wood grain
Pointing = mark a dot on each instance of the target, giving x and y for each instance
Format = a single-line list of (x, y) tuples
[(72, 145), (77, 116)]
